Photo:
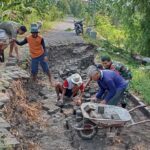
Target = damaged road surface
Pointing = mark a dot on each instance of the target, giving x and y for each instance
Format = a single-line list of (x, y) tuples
[(38, 124)]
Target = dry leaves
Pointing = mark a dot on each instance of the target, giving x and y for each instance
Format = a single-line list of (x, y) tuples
[(19, 104)]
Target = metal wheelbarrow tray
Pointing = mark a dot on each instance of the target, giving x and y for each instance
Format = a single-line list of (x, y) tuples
[(97, 116)]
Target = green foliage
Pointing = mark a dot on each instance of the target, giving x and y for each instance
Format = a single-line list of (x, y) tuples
[(105, 28), (64, 6), (141, 84), (77, 8), (134, 17), (29, 11)]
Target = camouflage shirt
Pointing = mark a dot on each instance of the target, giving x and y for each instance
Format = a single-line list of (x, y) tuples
[(10, 27), (122, 69)]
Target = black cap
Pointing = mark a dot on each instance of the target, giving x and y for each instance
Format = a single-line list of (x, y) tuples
[(105, 58), (23, 28)]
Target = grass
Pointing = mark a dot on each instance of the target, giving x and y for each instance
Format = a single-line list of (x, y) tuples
[(140, 84), (68, 29), (48, 21)]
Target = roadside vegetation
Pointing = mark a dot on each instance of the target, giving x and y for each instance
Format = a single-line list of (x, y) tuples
[(30, 11)]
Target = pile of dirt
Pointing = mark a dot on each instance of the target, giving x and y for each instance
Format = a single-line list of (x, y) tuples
[(24, 117)]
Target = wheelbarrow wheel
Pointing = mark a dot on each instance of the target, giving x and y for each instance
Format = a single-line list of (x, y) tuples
[(88, 132)]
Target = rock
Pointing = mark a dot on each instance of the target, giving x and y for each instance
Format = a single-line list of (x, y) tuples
[(1, 105), (2, 88), (117, 53), (6, 84), (93, 34), (84, 74), (47, 96), (86, 61), (79, 50), (44, 91), (24, 76), (67, 70), (67, 112), (141, 59), (4, 98), (4, 124), (73, 69), (11, 63), (50, 107), (62, 74), (7, 78), (82, 67), (53, 109), (11, 68), (92, 91), (86, 100), (7, 139), (146, 59), (32, 98), (87, 95), (68, 105), (11, 141), (55, 120), (14, 76), (88, 30), (100, 49)]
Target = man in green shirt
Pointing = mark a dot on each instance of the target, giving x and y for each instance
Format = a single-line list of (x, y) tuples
[(13, 29), (118, 67)]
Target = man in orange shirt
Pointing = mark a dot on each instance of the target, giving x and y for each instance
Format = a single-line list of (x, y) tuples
[(37, 52)]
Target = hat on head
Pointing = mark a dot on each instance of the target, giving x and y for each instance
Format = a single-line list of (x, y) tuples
[(34, 28), (76, 79)]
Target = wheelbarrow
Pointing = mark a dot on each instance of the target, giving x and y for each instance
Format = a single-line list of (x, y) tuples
[(98, 116)]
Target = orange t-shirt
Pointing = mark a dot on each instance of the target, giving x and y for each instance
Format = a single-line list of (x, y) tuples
[(35, 46)]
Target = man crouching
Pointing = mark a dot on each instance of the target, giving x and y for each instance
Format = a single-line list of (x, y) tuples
[(70, 88)]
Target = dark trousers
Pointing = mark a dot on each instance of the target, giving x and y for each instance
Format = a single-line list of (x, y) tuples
[(2, 58)]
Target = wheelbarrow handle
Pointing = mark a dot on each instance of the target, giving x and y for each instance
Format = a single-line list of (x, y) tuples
[(139, 106), (136, 123)]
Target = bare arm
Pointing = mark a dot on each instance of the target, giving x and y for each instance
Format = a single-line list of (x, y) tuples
[(88, 82), (63, 93)]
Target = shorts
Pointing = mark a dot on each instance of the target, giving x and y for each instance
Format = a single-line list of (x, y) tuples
[(35, 62)]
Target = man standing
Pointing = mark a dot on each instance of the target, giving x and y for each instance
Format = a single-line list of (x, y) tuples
[(13, 29), (37, 52), (109, 82)]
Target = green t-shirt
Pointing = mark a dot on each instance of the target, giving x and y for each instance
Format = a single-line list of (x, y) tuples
[(10, 27)]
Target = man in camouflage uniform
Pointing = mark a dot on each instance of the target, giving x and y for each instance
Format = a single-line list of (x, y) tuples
[(117, 67)]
